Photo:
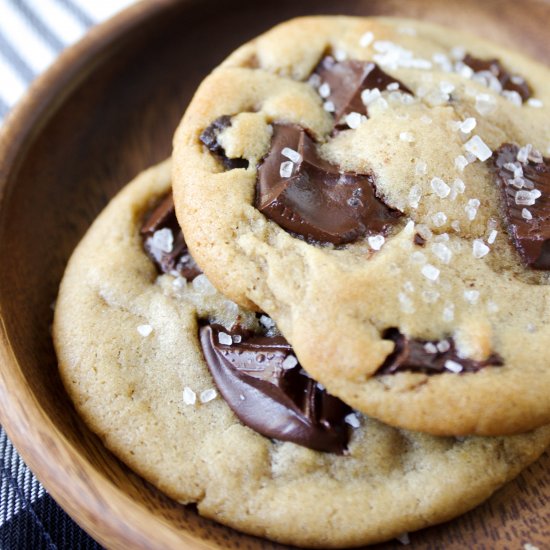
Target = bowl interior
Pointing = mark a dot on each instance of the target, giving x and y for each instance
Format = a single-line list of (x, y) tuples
[(105, 113)]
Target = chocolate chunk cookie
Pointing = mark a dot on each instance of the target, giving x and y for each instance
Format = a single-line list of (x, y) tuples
[(147, 348), (388, 210)]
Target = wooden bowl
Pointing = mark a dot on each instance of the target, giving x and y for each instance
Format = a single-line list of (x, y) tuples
[(103, 113)]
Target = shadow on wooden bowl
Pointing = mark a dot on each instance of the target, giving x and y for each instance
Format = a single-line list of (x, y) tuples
[(102, 114)]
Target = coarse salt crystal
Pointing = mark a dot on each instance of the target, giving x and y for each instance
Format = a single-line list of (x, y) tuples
[(392, 86), (479, 148), (353, 120), (376, 242), (366, 39), (406, 303), (443, 252), (513, 97), (415, 194), (536, 156), (352, 420), (291, 154), (369, 96), (225, 339), (430, 272), (446, 87), (340, 55), (290, 362), (329, 106), (163, 240), (526, 214), (421, 168), (479, 249), (458, 186), (492, 236), (144, 330), (461, 162), (443, 346), (471, 296), (449, 312), (467, 125), (406, 136), (286, 168), (524, 198), (424, 231), (267, 322), (189, 396), (453, 366), (439, 219), (208, 395), (533, 102), (523, 153), (440, 188), (324, 90), (430, 348), (485, 104), (529, 546)]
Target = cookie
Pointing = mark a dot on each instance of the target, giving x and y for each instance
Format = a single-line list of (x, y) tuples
[(379, 188), (131, 309)]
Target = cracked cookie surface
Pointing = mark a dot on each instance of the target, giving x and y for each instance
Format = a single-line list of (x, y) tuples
[(129, 355), (446, 271)]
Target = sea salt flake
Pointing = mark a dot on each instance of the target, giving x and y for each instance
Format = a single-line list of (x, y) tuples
[(376, 242), (479, 148), (443, 252), (329, 106), (471, 296), (406, 136), (430, 272), (430, 348), (420, 168), (286, 168), (189, 396), (352, 420), (208, 395), (453, 366), (534, 102), (526, 214), (440, 188), (225, 339), (353, 120), (439, 219), (492, 236), (479, 249), (163, 240), (144, 330), (291, 154), (467, 125), (366, 39), (415, 194), (430, 296), (461, 162), (324, 90), (290, 362), (370, 96)]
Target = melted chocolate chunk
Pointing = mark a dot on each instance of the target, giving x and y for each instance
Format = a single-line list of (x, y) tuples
[(531, 236), (178, 258), (413, 355), (314, 198), (419, 240), (264, 386), (347, 79), (510, 82), (209, 137)]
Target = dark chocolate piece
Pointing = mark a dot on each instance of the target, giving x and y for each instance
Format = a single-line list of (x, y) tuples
[(347, 79), (178, 258), (279, 402), (317, 200), (510, 82), (209, 137), (428, 357), (419, 240), (531, 237)]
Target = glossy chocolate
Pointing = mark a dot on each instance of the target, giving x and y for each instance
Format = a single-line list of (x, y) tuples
[(510, 82), (317, 200), (414, 355), (347, 79), (178, 259), (279, 402), (531, 237), (209, 137)]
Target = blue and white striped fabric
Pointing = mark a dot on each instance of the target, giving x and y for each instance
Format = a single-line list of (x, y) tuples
[(32, 34)]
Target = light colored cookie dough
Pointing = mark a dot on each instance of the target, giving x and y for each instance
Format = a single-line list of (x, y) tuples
[(128, 388), (333, 305)]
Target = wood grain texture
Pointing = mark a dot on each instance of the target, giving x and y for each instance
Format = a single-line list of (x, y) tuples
[(103, 113)]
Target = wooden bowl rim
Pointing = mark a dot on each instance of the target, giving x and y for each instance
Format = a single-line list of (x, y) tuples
[(117, 521)]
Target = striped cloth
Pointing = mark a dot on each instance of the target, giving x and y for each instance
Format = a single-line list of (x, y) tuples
[(32, 34)]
